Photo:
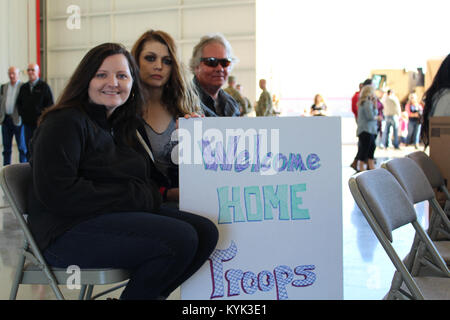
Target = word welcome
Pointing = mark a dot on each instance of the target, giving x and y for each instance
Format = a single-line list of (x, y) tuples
[(259, 203), (218, 157), (189, 147), (250, 282)]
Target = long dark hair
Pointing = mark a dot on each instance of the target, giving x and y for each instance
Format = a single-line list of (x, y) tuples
[(440, 81), (124, 119)]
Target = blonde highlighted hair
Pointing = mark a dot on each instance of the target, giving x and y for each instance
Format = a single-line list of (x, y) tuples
[(179, 94), (366, 93)]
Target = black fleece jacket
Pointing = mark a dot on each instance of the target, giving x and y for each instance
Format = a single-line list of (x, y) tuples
[(31, 104), (80, 171)]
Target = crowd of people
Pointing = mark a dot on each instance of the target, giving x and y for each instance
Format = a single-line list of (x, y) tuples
[(377, 112), (104, 189), (21, 104)]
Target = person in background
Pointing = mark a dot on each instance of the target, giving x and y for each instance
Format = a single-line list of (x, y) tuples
[(380, 106), (168, 94), (414, 110), (392, 113), (34, 96), (355, 99), (248, 109), (92, 200), (10, 119), (436, 98), (211, 62), (367, 127), (319, 108), (403, 135), (232, 91), (264, 106)]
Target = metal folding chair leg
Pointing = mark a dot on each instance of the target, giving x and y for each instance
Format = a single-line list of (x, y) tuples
[(18, 275)]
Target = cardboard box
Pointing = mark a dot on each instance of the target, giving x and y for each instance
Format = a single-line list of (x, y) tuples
[(440, 148)]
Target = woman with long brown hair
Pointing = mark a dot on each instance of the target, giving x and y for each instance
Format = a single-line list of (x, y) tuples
[(168, 95), (93, 201)]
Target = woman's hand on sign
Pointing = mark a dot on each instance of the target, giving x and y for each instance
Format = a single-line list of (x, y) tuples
[(190, 115)]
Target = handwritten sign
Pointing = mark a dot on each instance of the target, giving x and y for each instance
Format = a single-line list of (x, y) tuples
[(273, 187)]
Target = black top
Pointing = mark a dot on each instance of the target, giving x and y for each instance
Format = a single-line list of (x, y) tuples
[(80, 171), (30, 104), (225, 106)]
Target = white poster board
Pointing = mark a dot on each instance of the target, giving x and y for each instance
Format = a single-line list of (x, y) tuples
[(275, 194)]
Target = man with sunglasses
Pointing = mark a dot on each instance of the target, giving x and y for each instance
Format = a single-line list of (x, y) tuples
[(211, 62), (34, 96)]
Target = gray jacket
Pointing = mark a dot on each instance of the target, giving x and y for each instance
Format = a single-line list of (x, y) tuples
[(17, 120), (367, 118)]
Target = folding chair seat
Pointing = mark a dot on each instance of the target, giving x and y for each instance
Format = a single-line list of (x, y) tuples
[(32, 267), (386, 207), (416, 185), (437, 181)]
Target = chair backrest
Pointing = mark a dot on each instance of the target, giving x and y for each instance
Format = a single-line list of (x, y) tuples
[(429, 168), (411, 178), (386, 207), (381, 198), (15, 179)]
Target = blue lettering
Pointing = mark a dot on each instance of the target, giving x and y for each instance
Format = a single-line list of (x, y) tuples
[(225, 205), (296, 212), (276, 162), (273, 200), (295, 162), (313, 161), (253, 192), (209, 156), (259, 208), (242, 161)]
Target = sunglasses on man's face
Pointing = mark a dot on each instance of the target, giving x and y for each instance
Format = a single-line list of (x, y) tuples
[(214, 62)]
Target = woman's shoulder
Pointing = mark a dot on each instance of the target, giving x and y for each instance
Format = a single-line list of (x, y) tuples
[(66, 112), (441, 105), (65, 117)]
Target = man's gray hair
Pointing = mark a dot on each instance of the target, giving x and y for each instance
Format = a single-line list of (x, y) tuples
[(205, 40)]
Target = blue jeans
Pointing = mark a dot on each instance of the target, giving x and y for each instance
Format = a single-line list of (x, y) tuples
[(9, 130), (391, 121), (162, 249), (413, 131)]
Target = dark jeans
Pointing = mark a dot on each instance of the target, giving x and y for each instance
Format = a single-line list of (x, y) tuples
[(9, 130), (162, 250), (28, 132), (413, 131), (366, 146)]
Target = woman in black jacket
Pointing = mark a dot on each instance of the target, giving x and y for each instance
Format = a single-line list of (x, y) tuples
[(93, 200)]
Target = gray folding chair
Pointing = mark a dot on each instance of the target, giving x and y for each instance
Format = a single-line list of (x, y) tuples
[(437, 181), (32, 267), (415, 183), (386, 207)]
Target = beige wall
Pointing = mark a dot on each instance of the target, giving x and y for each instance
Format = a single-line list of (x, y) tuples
[(125, 20), (17, 36)]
